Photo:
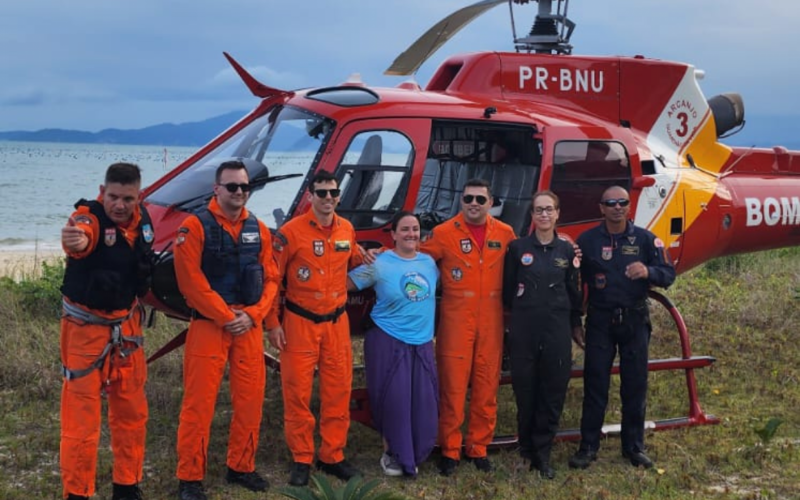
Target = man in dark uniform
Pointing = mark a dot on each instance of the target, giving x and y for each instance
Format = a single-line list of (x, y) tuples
[(620, 263)]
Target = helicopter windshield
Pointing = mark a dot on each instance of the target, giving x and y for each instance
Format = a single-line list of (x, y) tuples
[(278, 149)]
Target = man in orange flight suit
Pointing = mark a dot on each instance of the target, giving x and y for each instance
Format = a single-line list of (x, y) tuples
[(470, 249), (225, 269), (108, 246), (314, 252)]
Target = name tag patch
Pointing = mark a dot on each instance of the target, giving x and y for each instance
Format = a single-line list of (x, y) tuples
[(630, 250), (250, 237), (342, 245)]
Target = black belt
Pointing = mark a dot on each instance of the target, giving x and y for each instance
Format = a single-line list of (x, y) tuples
[(196, 315), (620, 314), (316, 318)]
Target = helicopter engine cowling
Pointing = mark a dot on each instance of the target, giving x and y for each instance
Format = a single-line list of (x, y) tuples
[(728, 111)]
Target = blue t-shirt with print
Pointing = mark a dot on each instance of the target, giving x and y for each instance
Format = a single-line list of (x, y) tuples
[(406, 294)]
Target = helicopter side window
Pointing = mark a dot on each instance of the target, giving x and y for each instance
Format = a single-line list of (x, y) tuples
[(509, 158), (374, 175), (582, 170)]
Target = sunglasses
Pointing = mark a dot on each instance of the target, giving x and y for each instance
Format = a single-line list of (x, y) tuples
[(469, 198), (612, 202), (323, 193), (232, 187)]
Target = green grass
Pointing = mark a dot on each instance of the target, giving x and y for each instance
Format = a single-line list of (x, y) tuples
[(743, 310)]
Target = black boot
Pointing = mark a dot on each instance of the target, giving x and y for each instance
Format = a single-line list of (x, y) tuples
[(127, 492), (73, 496)]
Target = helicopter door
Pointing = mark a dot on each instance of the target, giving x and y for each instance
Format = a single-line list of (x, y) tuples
[(582, 170), (375, 169)]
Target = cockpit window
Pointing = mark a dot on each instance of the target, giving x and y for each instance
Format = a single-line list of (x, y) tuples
[(374, 177), (582, 170), (278, 149)]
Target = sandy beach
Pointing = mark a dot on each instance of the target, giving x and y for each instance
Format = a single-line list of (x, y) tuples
[(19, 264)]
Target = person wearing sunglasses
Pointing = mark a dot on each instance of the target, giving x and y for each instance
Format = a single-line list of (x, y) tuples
[(540, 287), (314, 252), (225, 269), (108, 243), (469, 250), (620, 263)]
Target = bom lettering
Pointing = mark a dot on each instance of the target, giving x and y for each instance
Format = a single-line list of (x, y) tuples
[(782, 211)]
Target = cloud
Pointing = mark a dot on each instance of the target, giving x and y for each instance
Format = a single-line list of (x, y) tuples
[(97, 64)]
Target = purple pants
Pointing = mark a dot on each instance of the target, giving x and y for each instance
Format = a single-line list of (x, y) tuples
[(403, 396)]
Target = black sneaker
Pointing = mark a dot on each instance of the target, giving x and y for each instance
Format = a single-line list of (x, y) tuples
[(299, 474), (191, 490), (250, 480), (343, 470), (447, 466), (127, 492), (582, 459), (481, 463), (638, 459)]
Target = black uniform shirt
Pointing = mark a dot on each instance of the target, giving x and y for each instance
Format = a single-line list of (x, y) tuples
[(542, 277), (605, 257)]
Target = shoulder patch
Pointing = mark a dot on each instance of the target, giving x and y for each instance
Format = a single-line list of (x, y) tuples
[(278, 241), (658, 243)]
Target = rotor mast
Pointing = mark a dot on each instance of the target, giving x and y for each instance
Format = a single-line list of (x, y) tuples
[(550, 32)]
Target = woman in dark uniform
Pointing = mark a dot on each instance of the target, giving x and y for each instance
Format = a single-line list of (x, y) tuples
[(540, 286)]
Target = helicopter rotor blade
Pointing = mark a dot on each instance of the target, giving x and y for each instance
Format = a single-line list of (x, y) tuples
[(409, 61)]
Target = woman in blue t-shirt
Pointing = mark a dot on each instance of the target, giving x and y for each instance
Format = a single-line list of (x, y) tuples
[(398, 351)]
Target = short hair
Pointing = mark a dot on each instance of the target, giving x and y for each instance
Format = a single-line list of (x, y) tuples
[(545, 192), (229, 165), (321, 177), (123, 173), (399, 215), (478, 182), (613, 187)]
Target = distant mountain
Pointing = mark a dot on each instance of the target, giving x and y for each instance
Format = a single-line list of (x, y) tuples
[(759, 131), (165, 134)]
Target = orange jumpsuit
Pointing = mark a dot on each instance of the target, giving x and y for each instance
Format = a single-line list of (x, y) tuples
[(121, 379), (209, 347), (469, 338), (314, 261)]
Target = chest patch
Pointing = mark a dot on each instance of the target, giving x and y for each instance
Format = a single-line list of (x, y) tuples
[(494, 245), (630, 250), (110, 236), (599, 281), (147, 233), (466, 245), (561, 263), (607, 253), (303, 273), (250, 237), (319, 248), (456, 273), (341, 245), (526, 259)]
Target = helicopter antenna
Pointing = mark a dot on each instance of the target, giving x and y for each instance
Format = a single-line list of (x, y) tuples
[(550, 32)]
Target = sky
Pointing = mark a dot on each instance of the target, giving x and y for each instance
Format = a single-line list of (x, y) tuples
[(96, 64)]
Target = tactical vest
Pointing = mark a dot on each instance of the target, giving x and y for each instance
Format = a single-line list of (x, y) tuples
[(110, 278), (233, 268)]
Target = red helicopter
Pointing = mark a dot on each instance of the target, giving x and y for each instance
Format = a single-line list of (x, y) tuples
[(536, 118)]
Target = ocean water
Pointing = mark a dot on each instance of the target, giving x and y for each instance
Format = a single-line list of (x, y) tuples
[(40, 183)]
